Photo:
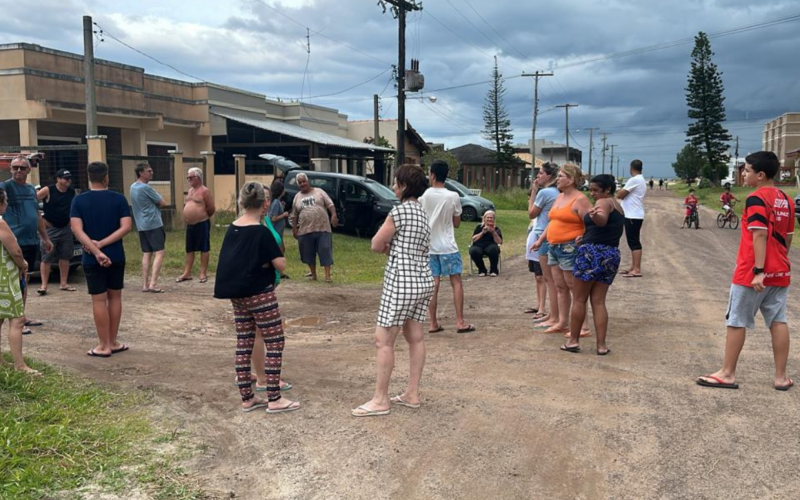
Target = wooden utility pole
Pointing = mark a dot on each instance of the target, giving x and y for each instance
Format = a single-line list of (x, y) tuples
[(604, 154), (399, 9), (619, 173), (566, 108), (88, 75), (377, 133), (536, 77), (591, 147), (611, 170)]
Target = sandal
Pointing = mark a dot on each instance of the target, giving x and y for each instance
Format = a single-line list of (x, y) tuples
[(66, 289), (42, 291)]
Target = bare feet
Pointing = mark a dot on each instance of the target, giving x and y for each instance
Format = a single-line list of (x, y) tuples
[(29, 371), (557, 329), (584, 333)]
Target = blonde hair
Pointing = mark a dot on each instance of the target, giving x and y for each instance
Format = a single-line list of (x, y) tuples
[(486, 214), (252, 195), (573, 172)]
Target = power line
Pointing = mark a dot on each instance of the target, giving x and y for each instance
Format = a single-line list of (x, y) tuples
[(337, 92), (495, 31), (471, 23)]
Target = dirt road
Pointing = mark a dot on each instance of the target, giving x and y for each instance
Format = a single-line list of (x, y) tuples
[(505, 414)]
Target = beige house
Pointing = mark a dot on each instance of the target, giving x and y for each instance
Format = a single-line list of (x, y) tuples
[(782, 137), (165, 121)]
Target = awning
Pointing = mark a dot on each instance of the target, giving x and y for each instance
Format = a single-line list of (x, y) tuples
[(299, 132)]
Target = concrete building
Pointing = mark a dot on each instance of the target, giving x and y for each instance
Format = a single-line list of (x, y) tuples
[(782, 137), (555, 152), (142, 116)]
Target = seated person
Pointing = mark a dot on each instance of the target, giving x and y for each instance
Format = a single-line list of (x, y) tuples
[(726, 199), (486, 241), (690, 202)]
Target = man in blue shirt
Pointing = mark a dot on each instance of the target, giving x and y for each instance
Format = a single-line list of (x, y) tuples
[(100, 219), (147, 205), (25, 221)]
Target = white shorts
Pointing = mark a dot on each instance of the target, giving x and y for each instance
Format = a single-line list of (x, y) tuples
[(726, 207), (745, 302)]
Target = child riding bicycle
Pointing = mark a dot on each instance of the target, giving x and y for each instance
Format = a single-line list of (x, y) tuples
[(728, 200), (690, 202)]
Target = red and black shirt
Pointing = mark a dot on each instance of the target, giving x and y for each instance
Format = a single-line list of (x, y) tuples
[(766, 209)]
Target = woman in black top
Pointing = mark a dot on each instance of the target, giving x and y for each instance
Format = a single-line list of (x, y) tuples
[(596, 262), (486, 241), (248, 261)]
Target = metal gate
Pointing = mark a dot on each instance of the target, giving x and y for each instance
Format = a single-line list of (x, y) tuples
[(163, 169)]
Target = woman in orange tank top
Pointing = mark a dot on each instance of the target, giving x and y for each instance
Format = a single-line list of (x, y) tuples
[(566, 224)]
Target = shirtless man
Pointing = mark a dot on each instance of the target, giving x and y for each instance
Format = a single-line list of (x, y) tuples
[(197, 209)]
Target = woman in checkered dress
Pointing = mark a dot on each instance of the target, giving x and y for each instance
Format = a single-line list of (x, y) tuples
[(407, 291)]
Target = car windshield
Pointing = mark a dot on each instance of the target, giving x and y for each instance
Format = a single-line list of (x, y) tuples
[(381, 190), (459, 187)]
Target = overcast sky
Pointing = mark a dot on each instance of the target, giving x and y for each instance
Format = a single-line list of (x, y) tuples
[(639, 100)]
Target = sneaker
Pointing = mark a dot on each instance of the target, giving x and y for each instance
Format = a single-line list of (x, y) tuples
[(493, 275), (482, 275)]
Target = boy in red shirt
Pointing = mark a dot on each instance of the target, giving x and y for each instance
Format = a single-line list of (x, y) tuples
[(762, 275), (690, 202), (726, 198)]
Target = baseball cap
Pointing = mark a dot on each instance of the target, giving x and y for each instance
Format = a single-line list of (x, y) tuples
[(64, 174)]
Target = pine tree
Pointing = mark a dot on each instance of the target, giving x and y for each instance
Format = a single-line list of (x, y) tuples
[(497, 126), (706, 106)]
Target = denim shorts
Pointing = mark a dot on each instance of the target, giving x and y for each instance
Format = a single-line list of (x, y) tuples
[(745, 302), (562, 255), (446, 265), (544, 249)]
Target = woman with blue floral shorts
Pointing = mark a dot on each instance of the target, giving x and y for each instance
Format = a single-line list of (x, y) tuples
[(596, 262)]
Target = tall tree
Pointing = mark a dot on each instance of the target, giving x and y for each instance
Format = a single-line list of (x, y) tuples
[(706, 106), (440, 154), (497, 126), (688, 163)]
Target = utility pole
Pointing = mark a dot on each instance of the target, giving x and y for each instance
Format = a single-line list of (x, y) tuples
[(604, 153), (536, 77), (377, 133), (619, 172), (611, 163), (88, 75), (591, 147), (566, 108), (399, 9)]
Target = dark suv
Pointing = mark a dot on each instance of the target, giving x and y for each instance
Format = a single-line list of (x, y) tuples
[(361, 204)]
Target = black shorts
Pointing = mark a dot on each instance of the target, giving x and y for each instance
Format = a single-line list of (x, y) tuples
[(313, 244), (198, 237), (633, 230), (535, 267), (29, 254), (100, 279), (152, 240)]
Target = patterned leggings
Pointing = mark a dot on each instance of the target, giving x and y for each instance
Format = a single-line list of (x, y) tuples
[(259, 312)]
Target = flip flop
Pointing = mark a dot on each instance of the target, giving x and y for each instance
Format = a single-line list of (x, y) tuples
[(255, 406), (556, 331), (156, 290), (121, 348), (718, 383), (286, 387), (364, 412), (582, 335), (538, 315), (629, 275), (32, 322), (146, 290), (41, 291), (573, 348), (603, 353), (181, 279), (531, 310), (436, 330), (204, 280), (785, 387), (97, 354), (398, 400), (468, 329), (26, 330), (292, 407), (68, 289)]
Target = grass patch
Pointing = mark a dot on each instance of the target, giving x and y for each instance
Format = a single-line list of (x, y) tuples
[(61, 434), (509, 199), (710, 196), (354, 263)]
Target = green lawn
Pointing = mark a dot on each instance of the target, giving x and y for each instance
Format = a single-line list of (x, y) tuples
[(354, 263), (710, 196), (508, 199), (59, 433)]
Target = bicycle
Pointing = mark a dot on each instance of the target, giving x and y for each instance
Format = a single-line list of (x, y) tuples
[(728, 217), (693, 217)]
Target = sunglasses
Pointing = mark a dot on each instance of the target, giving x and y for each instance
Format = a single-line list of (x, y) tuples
[(191, 177), (19, 167)]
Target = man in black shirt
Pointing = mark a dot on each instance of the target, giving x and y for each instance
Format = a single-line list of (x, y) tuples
[(57, 201)]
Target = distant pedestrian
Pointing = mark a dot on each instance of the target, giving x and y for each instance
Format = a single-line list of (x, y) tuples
[(100, 219), (26, 222), (596, 263), (443, 208), (147, 205), (12, 306), (407, 291), (632, 200), (311, 227), (248, 261), (651, 183), (660, 184), (57, 202), (761, 279), (197, 211)]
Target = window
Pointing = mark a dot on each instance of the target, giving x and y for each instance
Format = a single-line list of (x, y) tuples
[(354, 193)]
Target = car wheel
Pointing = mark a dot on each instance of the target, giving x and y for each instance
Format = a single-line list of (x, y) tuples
[(469, 214)]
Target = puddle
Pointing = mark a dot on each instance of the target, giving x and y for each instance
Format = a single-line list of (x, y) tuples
[(304, 321)]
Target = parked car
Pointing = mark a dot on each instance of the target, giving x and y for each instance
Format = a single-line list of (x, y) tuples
[(74, 261), (472, 207), (361, 204)]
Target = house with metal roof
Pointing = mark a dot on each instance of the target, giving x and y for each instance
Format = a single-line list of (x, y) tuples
[(479, 169)]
